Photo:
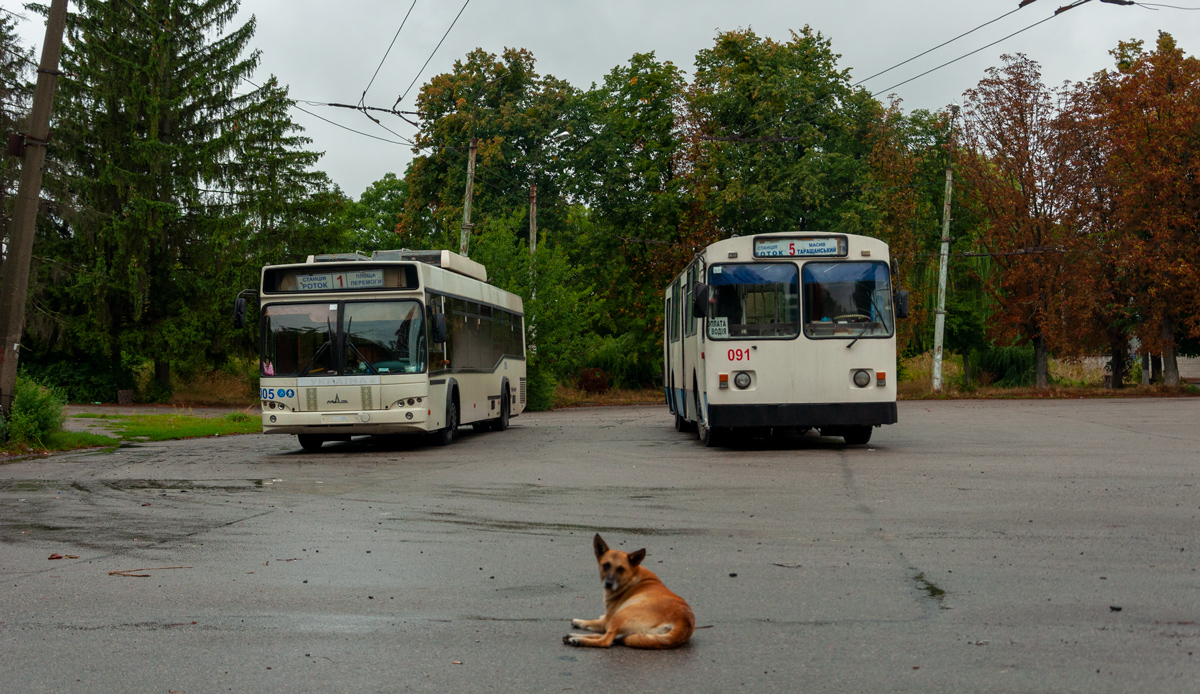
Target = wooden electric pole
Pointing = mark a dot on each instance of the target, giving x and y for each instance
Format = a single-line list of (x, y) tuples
[(939, 325), (465, 237), (532, 218), (15, 284)]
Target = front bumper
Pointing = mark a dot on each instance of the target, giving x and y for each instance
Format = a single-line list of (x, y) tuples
[(803, 415), (347, 423)]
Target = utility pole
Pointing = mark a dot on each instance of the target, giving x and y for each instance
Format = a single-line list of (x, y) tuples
[(15, 284), (465, 237), (532, 217), (939, 326)]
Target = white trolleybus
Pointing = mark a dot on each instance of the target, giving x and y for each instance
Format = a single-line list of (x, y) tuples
[(783, 331), (398, 342)]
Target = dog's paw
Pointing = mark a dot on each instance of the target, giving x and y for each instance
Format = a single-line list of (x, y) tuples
[(577, 624), (571, 640)]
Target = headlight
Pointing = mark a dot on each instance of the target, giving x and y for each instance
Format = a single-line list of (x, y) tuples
[(742, 380), (862, 378)]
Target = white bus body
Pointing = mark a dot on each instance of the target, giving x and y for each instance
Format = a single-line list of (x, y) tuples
[(400, 342), (798, 332)]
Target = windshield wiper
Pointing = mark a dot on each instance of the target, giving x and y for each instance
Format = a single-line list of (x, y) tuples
[(868, 325), (322, 348), (360, 355)]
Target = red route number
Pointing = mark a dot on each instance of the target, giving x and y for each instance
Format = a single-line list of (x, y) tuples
[(739, 355)]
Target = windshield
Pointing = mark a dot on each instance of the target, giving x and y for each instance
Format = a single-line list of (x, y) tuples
[(371, 337), (384, 337), (753, 301), (847, 300), (299, 338)]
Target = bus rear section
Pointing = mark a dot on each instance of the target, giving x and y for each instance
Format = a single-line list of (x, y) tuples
[(788, 342)]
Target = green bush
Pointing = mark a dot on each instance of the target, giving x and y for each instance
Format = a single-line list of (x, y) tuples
[(540, 385), (1010, 367), (632, 363), (80, 379), (37, 412)]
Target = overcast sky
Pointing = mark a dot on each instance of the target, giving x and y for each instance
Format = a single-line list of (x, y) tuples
[(326, 51)]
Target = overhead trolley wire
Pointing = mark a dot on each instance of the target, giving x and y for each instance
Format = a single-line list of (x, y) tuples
[(967, 55), (945, 43), (404, 21), (435, 50)]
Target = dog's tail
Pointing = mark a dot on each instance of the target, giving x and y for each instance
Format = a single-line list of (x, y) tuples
[(679, 634)]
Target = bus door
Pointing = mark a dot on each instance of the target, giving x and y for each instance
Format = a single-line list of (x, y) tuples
[(675, 349)]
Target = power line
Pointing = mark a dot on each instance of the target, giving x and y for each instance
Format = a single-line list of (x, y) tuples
[(977, 50), (435, 50), (1019, 7), (343, 127), (1149, 5), (362, 98)]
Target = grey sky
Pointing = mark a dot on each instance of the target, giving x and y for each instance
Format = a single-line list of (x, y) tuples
[(327, 50)]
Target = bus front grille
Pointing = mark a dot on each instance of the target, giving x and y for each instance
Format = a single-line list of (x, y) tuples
[(522, 391)]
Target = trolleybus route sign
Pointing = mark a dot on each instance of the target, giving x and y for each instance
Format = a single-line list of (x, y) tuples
[(800, 247), (357, 279)]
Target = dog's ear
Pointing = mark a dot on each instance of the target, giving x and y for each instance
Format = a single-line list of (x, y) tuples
[(636, 558), (599, 545)]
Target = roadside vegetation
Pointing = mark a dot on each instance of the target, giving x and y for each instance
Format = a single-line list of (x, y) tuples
[(1073, 223)]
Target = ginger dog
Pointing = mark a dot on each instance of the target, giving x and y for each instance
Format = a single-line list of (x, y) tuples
[(639, 611)]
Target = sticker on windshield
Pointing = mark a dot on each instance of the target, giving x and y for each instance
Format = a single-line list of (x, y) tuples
[(718, 327)]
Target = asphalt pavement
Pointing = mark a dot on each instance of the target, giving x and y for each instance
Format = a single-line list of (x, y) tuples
[(1006, 546)]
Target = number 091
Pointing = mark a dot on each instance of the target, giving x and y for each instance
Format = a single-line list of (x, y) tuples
[(739, 355)]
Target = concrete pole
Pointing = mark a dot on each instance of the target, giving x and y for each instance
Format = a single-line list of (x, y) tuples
[(465, 237), (532, 218), (939, 325), (15, 285)]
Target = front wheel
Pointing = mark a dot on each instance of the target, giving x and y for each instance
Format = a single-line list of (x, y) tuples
[(857, 436), (501, 422), (447, 434), (310, 442), (709, 436)]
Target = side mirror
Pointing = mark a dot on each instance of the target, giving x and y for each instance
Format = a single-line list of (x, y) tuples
[(902, 303), (699, 300), (439, 328), (239, 312)]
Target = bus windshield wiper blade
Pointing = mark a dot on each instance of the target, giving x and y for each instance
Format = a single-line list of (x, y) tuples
[(360, 355), (869, 325), (328, 343)]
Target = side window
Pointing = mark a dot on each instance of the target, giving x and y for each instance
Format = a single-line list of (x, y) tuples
[(675, 297)]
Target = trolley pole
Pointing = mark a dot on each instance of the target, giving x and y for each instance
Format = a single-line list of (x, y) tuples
[(939, 326), (465, 237), (15, 285)]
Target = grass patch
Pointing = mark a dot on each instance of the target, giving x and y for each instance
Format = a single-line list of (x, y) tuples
[(142, 427), (1068, 380), (168, 427), (565, 396)]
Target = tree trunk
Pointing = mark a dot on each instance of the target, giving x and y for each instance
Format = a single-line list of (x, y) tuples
[(162, 376), (1042, 360), (967, 368), (1120, 347), (1170, 363), (1156, 368)]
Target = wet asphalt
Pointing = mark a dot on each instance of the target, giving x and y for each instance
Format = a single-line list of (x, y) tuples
[(975, 546)]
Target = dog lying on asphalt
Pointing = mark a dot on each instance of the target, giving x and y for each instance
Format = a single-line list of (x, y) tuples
[(639, 611)]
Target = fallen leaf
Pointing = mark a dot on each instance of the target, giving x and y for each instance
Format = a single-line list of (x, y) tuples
[(56, 555)]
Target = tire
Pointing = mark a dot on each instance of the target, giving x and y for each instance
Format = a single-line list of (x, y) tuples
[(310, 442), (857, 436), (709, 436), (446, 435), (501, 423)]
